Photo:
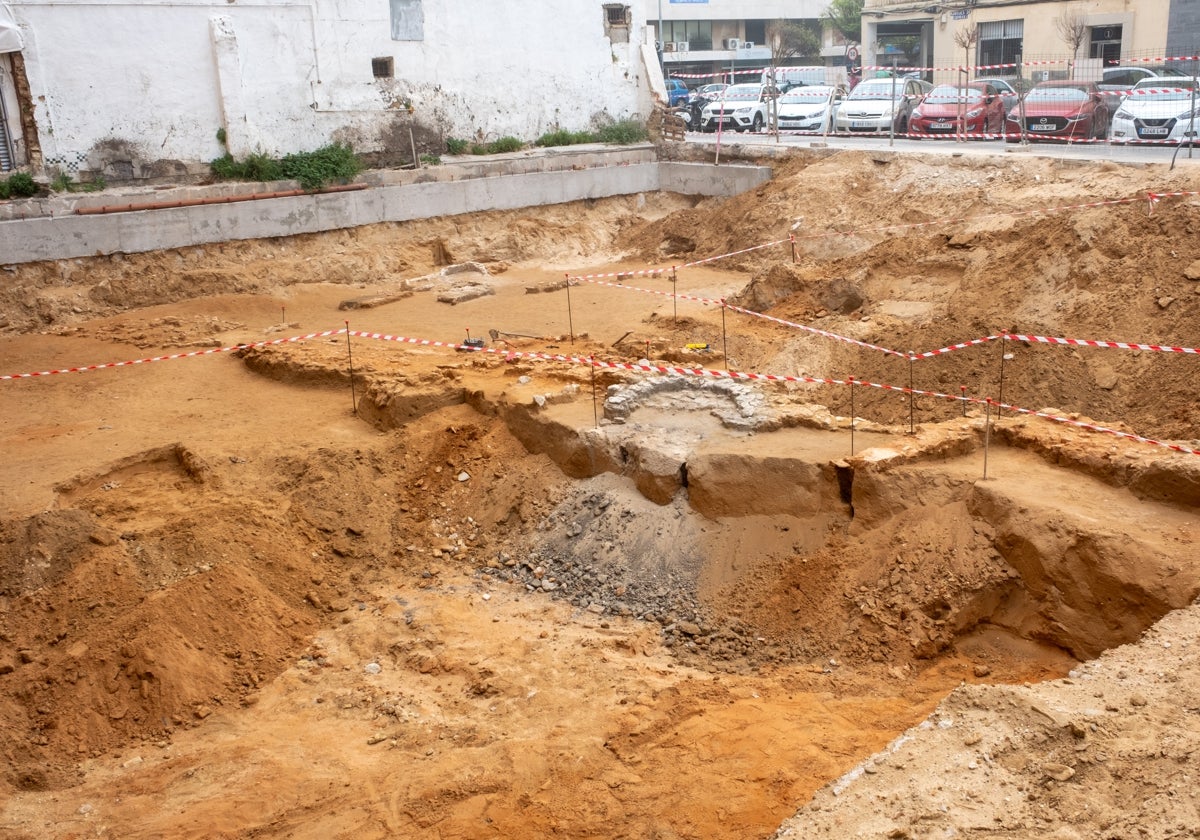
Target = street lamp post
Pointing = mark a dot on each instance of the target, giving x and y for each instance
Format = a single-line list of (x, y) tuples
[(661, 61)]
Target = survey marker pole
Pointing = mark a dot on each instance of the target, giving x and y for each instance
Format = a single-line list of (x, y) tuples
[(350, 357), (570, 317), (850, 382)]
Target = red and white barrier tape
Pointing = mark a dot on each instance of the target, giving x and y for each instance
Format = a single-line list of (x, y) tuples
[(1091, 342), (592, 362), (173, 356), (651, 368)]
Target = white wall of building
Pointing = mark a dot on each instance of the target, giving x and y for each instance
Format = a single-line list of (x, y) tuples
[(736, 9), (156, 79)]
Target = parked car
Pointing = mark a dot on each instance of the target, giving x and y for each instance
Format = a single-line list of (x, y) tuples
[(707, 92), (740, 107), (1005, 88), (809, 108), (1158, 109), (973, 108), (677, 92), (1061, 110), (880, 105), (1125, 78)]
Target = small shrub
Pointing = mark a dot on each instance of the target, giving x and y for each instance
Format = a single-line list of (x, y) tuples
[(454, 146), (478, 149), (61, 182), (326, 165), (504, 144), (225, 168), (313, 170), (18, 185), (562, 137), (623, 132), (260, 167), (430, 160)]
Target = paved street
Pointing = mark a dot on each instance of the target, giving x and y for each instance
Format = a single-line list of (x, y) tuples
[(1077, 151)]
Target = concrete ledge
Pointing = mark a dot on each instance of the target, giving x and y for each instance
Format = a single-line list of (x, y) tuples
[(417, 196)]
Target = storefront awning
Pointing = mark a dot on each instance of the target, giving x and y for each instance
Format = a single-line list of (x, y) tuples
[(10, 33)]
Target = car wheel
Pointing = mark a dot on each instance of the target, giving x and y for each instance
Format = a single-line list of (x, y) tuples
[(758, 123)]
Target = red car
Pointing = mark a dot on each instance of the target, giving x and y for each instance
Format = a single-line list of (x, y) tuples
[(1060, 111), (974, 108)]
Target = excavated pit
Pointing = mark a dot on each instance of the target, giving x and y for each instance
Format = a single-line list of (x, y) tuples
[(508, 596)]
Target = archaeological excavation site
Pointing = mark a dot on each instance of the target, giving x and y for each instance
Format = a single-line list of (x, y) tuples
[(818, 494)]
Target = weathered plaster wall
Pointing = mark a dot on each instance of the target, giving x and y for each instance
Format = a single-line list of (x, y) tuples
[(123, 85), (437, 192)]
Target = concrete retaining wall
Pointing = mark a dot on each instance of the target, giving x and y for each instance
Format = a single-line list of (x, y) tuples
[(68, 236)]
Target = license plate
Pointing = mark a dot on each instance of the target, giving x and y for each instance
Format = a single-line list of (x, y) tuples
[(1156, 130), (861, 124), (1042, 127), (942, 125)]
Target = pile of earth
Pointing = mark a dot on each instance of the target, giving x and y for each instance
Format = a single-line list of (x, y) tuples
[(202, 558)]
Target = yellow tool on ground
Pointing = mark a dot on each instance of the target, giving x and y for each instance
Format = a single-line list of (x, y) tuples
[(697, 346)]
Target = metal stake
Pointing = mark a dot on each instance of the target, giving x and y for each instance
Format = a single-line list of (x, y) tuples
[(724, 343), (674, 301), (595, 411), (1003, 356), (963, 388), (987, 436), (793, 238), (911, 428), (570, 317), (850, 382), (350, 356)]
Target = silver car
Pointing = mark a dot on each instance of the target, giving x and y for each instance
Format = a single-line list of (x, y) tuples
[(1162, 109), (880, 105), (809, 108)]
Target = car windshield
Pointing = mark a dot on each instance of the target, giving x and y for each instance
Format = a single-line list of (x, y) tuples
[(1057, 94), (877, 89), (742, 92), (1154, 90), (952, 94), (713, 88), (806, 96)]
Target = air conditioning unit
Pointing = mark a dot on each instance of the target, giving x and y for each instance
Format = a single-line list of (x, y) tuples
[(682, 46), (747, 45), (668, 46), (732, 43)]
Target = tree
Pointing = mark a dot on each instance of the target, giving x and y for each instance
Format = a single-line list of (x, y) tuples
[(1073, 29), (788, 40), (845, 17), (966, 37)]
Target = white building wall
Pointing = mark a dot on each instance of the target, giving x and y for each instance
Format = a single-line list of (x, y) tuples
[(736, 9), (154, 81)]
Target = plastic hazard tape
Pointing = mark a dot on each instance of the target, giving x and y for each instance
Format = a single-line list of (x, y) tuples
[(1174, 447), (1091, 342), (745, 376), (173, 356)]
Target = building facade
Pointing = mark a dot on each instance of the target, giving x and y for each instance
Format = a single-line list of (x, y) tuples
[(702, 37), (1020, 37), (141, 88)]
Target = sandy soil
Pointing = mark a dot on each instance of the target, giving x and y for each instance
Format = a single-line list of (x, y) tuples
[(245, 595)]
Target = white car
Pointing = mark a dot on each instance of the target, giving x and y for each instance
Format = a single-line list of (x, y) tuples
[(1158, 109), (809, 108), (880, 105), (740, 107)]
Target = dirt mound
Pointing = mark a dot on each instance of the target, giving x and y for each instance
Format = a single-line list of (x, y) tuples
[(404, 591)]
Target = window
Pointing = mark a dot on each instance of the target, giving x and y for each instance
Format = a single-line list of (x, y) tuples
[(408, 20), (383, 68), (697, 34), (1000, 41), (616, 15)]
